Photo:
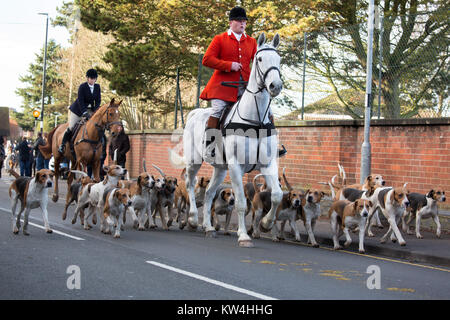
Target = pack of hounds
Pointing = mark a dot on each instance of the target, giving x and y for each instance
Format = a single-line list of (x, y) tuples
[(355, 207)]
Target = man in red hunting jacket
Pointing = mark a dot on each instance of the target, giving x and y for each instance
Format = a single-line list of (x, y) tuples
[(230, 54)]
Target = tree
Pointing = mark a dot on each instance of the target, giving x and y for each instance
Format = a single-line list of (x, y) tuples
[(414, 55), (32, 92), (154, 38)]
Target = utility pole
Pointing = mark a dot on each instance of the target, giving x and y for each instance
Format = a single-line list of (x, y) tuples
[(366, 148), (44, 73)]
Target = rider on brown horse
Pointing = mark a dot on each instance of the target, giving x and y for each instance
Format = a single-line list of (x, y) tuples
[(88, 101)]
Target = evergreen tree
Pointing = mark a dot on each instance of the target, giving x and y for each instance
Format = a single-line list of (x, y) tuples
[(32, 92)]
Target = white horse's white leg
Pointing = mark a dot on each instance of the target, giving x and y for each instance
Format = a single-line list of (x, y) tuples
[(240, 205), (191, 172), (217, 178), (271, 175)]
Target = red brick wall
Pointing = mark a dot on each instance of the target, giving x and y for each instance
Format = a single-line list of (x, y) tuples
[(408, 151)]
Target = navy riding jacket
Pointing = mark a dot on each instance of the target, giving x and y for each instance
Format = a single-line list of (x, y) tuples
[(85, 98)]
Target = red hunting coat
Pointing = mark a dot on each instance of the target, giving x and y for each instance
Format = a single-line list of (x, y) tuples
[(223, 50)]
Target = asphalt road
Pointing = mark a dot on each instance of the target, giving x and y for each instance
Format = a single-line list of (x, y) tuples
[(180, 265)]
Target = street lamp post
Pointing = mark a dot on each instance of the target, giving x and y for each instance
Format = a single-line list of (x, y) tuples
[(44, 73)]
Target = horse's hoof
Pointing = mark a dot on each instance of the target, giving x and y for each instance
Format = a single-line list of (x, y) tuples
[(315, 245), (403, 244), (74, 221), (25, 233), (55, 198), (210, 234), (64, 216), (246, 244), (192, 228), (362, 251), (49, 231)]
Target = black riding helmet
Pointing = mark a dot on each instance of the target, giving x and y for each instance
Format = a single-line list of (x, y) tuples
[(92, 73), (238, 13)]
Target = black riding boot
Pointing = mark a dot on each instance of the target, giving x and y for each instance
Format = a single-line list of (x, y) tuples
[(282, 151), (66, 138)]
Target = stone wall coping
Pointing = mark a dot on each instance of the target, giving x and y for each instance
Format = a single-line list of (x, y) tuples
[(329, 123)]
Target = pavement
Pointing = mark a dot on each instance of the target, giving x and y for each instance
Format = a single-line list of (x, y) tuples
[(429, 250)]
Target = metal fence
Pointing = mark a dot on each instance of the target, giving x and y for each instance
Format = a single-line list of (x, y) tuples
[(324, 72)]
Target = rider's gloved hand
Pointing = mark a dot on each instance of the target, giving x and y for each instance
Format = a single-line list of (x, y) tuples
[(85, 115)]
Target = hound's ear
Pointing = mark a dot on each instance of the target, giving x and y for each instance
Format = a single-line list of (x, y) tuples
[(153, 178), (261, 39), (276, 41), (370, 204), (38, 176), (356, 205), (222, 193), (430, 194), (139, 180), (369, 178), (106, 168)]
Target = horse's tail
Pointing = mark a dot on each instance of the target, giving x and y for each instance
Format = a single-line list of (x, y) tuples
[(176, 160), (46, 149)]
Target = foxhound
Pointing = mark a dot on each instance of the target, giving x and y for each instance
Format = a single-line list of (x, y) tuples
[(32, 193)]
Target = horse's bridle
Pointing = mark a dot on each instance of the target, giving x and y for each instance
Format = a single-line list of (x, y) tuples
[(261, 87), (108, 124), (100, 128), (262, 74)]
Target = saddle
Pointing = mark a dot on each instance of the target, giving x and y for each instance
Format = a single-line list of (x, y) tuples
[(75, 131)]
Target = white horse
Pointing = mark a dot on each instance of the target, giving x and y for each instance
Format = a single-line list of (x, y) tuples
[(242, 153)]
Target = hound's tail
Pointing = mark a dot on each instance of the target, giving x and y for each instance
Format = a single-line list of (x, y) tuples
[(285, 180), (254, 181), (15, 174)]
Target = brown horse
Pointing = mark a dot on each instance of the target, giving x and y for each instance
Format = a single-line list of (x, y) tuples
[(87, 146)]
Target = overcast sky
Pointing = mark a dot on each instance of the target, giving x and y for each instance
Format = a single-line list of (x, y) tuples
[(22, 36)]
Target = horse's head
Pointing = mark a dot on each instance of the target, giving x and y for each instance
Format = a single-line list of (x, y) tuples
[(111, 118), (267, 63)]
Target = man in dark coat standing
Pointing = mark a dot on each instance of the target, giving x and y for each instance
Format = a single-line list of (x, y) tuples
[(24, 157), (121, 142)]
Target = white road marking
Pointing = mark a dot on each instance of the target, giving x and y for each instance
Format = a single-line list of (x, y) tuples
[(42, 227), (212, 281)]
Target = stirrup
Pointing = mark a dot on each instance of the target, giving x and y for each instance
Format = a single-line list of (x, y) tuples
[(209, 152), (282, 152)]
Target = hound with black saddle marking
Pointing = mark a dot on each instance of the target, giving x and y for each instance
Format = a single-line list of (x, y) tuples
[(32, 193), (392, 202), (423, 207)]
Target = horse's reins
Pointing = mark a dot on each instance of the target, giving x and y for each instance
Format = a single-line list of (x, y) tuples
[(261, 87), (100, 128)]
